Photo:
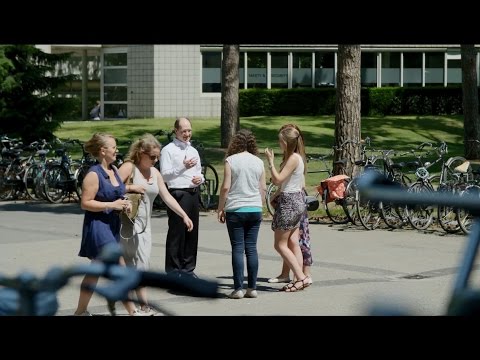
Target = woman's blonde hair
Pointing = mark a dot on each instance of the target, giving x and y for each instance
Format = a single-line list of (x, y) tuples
[(96, 142), (144, 144), (293, 138)]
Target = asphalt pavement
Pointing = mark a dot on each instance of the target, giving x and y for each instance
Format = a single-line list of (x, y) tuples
[(355, 271)]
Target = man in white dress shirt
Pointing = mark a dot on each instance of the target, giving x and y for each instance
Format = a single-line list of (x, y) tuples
[(182, 171)]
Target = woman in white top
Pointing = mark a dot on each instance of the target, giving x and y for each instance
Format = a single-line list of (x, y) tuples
[(289, 204), (240, 205), (137, 245)]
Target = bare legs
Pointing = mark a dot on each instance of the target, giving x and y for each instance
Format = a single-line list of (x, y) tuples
[(86, 295), (286, 244)]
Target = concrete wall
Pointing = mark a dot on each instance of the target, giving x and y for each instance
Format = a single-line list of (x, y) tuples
[(177, 83), (140, 78)]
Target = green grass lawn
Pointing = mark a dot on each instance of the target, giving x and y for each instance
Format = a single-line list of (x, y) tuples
[(399, 133)]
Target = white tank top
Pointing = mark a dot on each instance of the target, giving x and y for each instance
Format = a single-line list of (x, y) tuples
[(294, 183)]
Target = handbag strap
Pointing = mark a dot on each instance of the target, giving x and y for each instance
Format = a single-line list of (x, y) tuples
[(132, 174), (144, 227), (130, 182)]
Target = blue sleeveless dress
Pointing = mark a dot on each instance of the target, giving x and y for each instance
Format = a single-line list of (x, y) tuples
[(101, 228)]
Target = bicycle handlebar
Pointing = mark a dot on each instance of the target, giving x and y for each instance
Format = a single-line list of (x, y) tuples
[(26, 294)]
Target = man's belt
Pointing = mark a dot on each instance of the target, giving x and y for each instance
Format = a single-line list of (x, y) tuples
[(190, 190)]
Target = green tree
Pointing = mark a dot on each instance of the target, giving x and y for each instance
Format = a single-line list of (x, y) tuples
[(347, 106), (28, 102), (230, 120), (470, 101)]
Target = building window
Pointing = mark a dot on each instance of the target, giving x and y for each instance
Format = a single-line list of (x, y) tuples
[(241, 71), (112, 59), (434, 66), (412, 69), (257, 70), (391, 69), (302, 70), (279, 72), (454, 72), (115, 83), (324, 69), (211, 72), (368, 72)]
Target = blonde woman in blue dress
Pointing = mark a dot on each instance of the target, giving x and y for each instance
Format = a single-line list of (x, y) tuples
[(137, 239)]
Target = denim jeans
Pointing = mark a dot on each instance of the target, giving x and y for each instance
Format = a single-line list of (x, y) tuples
[(243, 230)]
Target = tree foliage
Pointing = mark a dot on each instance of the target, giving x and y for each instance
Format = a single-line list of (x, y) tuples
[(28, 100)]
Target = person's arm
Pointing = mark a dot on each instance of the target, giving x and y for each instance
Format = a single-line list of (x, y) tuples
[(125, 171), (263, 187), (170, 201), (90, 187), (279, 177), (224, 189)]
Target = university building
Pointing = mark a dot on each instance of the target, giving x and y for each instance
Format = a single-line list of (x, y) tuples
[(145, 81)]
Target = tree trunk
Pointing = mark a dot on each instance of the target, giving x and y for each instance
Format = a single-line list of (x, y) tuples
[(470, 102), (230, 121), (347, 108)]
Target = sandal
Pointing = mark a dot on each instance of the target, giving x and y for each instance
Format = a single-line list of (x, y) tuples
[(292, 286)]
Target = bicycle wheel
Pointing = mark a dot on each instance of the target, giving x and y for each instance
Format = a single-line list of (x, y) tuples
[(368, 213), (391, 215), (350, 201), (394, 215), (56, 182), (335, 208), (210, 173), (464, 218), (80, 174), (447, 216), (420, 216), (209, 187), (272, 188), (29, 179)]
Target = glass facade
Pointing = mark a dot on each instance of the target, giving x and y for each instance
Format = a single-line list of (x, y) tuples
[(115, 83), (307, 69), (324, 69)]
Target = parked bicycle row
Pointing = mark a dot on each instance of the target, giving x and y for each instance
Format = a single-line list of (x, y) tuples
[(46, 171), (424, 168)]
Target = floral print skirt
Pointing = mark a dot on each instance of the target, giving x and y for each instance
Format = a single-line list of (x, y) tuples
[(289, 209)]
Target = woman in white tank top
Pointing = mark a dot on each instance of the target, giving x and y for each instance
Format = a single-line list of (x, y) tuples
[(290, 204)]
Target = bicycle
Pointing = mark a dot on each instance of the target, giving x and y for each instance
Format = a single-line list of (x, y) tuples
[(463, 300), (28, 295)]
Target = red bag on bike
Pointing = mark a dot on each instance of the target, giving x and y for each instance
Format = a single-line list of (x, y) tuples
[(335, 185)]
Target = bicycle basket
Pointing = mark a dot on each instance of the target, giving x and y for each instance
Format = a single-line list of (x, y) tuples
[(422, 173)]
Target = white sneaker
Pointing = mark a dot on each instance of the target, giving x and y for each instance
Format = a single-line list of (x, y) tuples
[(279, 280), (148, 311), (237, 294), (251, 293), (138, 312)]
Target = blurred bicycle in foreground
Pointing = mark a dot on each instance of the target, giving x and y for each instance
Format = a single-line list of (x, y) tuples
[(464, 299)]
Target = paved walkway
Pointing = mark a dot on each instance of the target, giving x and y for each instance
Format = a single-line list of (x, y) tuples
[(353, 268)]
